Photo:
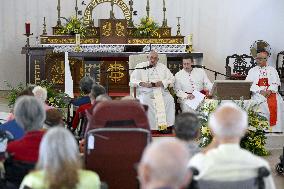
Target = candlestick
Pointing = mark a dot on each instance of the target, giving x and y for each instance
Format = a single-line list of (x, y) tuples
[(44, 27), (178, 27), (148, 8), (164, 25)]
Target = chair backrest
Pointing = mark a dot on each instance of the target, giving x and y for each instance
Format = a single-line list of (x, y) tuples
[(119, 114), (113, 154), (251, 183), (135, 59), (280, 65), (237, 66)]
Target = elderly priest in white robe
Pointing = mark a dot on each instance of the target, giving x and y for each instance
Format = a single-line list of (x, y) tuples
[(190, 81), (265, 90), (152, 79)]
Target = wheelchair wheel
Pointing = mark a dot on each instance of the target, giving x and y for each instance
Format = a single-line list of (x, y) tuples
[(279, 168)]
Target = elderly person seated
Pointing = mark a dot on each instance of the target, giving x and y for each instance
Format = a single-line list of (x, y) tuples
[(96, 90), (86, 84), (227, 161), (41, 93), (59, 164), (187, 129), (163, 165), (30, 114)]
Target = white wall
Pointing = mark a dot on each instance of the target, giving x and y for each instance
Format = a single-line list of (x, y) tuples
[(220, 27)]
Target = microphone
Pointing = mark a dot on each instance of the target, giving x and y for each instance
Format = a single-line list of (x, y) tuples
[(144, 68), (197, 66)]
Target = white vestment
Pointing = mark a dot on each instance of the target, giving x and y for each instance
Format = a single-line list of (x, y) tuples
[(158, 73), (186, 83), (269, 72), (229, 162)]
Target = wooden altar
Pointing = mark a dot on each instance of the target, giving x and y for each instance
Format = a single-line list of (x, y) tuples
[(43, 64)]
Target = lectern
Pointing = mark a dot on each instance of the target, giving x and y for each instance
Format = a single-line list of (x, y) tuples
[(231, 89)]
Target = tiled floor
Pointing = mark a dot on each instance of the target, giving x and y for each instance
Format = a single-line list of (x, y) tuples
[(273, 159)]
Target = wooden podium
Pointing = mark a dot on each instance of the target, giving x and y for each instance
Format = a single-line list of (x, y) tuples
[(231, 90)]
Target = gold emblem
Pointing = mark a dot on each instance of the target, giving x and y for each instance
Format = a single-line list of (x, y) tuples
[(106, 29), (115, 72), (119, 29)]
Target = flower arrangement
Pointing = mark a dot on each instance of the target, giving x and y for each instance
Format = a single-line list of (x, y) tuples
[(147, 28), (54, 98), (74, 26), (254, 139)]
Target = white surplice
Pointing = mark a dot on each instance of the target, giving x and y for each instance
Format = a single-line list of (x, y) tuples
[(269, 72), (158, 73), (187, 82)]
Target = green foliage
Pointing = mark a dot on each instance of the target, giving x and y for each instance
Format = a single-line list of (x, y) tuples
[(54, 98), (74, 26), (147, 28), (254, 139)]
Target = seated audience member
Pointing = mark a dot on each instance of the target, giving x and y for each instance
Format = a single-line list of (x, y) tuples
[(187, 129), (163, 165), (54, 118), (228, 161), (152, 84), (189, 80), (264, 90), (103, 97), (41, 93), (11, 127), (27, 91), (59, 165), (86, 84), (30, 114), (95, 91)]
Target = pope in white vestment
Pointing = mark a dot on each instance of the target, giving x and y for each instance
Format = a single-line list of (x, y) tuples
[(152, 83), (189, 80), (265, 91)]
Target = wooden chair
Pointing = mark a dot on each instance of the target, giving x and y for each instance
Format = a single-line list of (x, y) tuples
[(241, 64), (280, 69)]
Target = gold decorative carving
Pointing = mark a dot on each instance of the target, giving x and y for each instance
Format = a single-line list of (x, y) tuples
[(156, 40), (67, 40), (106, 31), (119, 29), (115, 72), (90, 7), (37, 72)]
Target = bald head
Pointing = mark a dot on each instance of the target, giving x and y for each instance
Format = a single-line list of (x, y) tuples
[(228, 120), (164, 161), (153, 57)]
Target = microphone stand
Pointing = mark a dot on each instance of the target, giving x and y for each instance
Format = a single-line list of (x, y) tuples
[(215, 72)]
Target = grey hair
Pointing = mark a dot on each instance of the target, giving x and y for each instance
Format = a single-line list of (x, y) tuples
[(228, 120), (58, 145), (86, 84), (29, 113), (187, 126), (96, 91), (167, 159), (103, 97), (40, 93)]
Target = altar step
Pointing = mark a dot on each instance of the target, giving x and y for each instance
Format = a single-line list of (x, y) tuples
[(274, 141)]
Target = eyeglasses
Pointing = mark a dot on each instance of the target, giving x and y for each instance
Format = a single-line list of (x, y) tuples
[(259, 58)]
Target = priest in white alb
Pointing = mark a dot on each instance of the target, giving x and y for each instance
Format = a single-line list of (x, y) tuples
[(265, 90), (152, 80), (190, 84)]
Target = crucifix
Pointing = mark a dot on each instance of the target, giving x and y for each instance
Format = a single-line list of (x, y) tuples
[(112, 12)]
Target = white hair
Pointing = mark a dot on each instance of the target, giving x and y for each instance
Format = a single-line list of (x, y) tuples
[(167, 159), (228, 120), (29, 112), (40, 93), (57, 146)]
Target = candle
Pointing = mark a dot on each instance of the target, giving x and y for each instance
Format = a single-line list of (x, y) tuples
[(28, 28)]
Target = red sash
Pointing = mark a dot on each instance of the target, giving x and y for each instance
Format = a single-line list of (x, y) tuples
[(271, 101)]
